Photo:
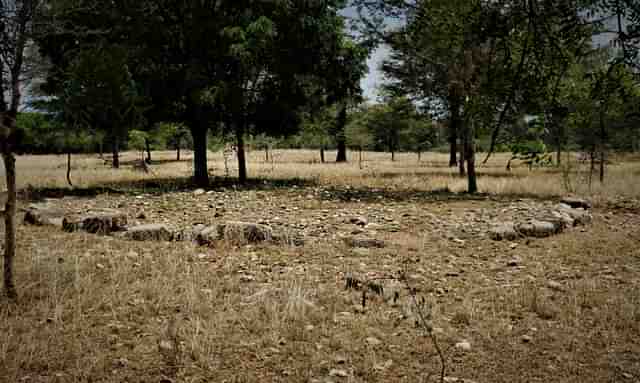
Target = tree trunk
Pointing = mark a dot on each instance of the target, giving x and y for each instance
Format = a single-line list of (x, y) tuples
[(463, 143), (393, 155), (341, 137), (242, 163), (454, 127), (603, 138), (101, 149), (266, 154), (322, 154), (559, 155), (69, 169), (178, 151), (9, 223), (200, 171), (470, 154), (360, 157), (115, 149), (147, 146), (419, 156)]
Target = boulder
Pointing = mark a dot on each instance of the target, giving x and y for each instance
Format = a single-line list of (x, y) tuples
[(579, 216), (150, 232), (237, 233), (359, 221), (363, 242), (103, 222), (43, 215), (243, 233), (504, 231), (538, 229), (209, 234), (576, 203)]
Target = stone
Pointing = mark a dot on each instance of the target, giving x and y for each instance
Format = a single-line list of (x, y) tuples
[(553, 285), (43, 215), (371, 341), (579, 216), (243, 233), (198, 192), (104, 222), (463, 346), (237, 233), (537, 229), (338, 373), (576, 203), (366, 243), (150, 232), (359, 221), (504, 231), (526, 338)]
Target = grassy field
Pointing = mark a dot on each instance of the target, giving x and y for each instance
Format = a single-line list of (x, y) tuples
[(102, 309)]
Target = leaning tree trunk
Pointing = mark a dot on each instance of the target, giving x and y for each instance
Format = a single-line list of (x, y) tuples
[(200, 171), (9, 222), (242, 163), (470, 154), (115, 149), (69, 169), (341, 138)]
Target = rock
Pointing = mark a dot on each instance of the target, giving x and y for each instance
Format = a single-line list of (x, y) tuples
[(526, 338), (151, 232), (209, 234), (237, 233), (366, 243), (198, 192), (43, 215), (579, 215), (338, 373), (103, 222), (371, 341), (504, 231), (537, 229), (513, 262), (464, 346), (576, 203), (553, 285), (360, 221)]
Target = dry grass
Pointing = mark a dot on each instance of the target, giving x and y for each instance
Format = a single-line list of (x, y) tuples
[(100, 309), (431, 173)]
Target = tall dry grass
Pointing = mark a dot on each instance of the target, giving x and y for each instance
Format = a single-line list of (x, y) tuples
[(376, 171)]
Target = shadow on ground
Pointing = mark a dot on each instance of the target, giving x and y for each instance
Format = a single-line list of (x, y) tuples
[(161, 186)]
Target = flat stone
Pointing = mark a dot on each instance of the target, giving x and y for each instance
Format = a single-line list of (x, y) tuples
[(150, 232), (463, 346), (537, 229), (504, 231), (43, 215), (104, 222), (577, 203)]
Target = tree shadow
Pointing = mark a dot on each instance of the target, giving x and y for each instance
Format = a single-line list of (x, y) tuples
[(161, 186), (373, 195)]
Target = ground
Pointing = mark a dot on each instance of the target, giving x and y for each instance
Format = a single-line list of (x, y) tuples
[(104, 309)]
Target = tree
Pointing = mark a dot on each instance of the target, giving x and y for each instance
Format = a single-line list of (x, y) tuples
[(17, 25)]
